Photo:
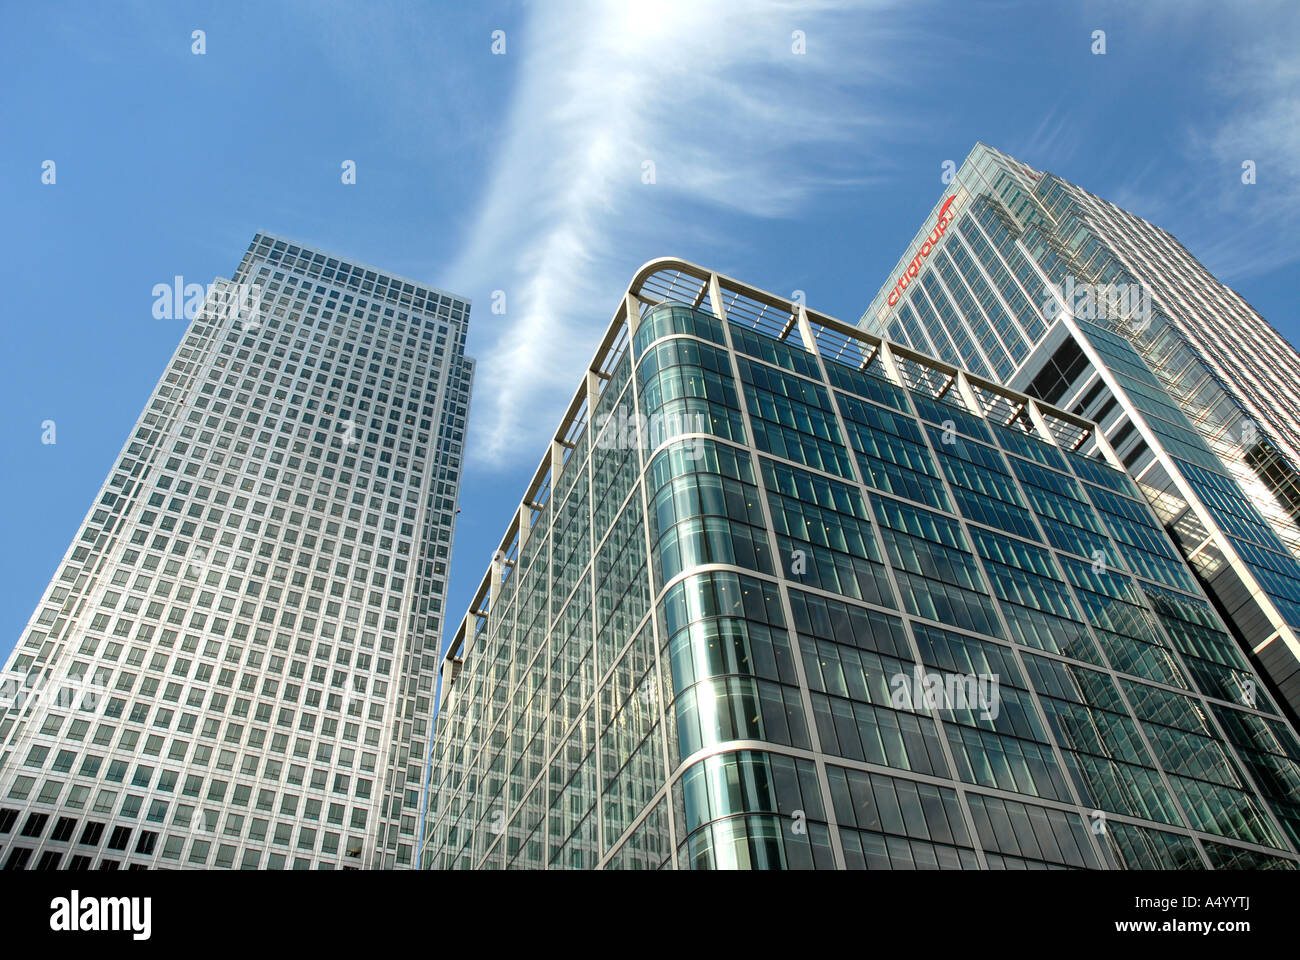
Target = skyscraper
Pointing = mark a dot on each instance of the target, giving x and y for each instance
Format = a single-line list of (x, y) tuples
[(1045, 287), (780, 594), (235, 662)]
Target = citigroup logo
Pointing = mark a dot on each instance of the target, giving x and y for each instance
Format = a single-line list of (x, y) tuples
[(913, 268)]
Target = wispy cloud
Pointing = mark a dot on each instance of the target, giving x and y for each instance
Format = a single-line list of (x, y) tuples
[(731, 117), (1248, 90), (1260, 86), (1052, 143)]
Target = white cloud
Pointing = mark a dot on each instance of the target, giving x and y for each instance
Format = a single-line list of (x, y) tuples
[(1051, 144), (732, 119), (1261, 123), (1247, 107)]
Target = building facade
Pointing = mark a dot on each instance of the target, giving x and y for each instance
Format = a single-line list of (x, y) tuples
[(235, 663), (1033, 281), (782, 594)]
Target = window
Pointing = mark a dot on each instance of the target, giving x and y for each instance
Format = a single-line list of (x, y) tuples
[(18, 858), (91, 835)]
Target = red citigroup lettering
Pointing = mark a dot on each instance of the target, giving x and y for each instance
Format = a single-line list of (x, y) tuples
[(914, 267)]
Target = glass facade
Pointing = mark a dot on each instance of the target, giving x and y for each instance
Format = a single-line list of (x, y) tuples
[(1045, 287), (235, 663), (782, 595)]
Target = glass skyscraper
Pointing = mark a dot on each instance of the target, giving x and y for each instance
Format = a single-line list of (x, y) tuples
[(1033, 281), (235, 663), (782, 594)]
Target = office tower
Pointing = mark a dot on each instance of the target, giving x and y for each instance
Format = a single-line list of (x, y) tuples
[(235, 663), (780, 594), (1032, 281)]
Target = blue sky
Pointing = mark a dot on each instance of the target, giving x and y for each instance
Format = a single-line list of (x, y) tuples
[(522, 172)]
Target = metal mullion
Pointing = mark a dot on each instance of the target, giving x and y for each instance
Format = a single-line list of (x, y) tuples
[(977, 410), (805, 697)]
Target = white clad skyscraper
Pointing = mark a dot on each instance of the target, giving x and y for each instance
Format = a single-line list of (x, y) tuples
[(234, 664)]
